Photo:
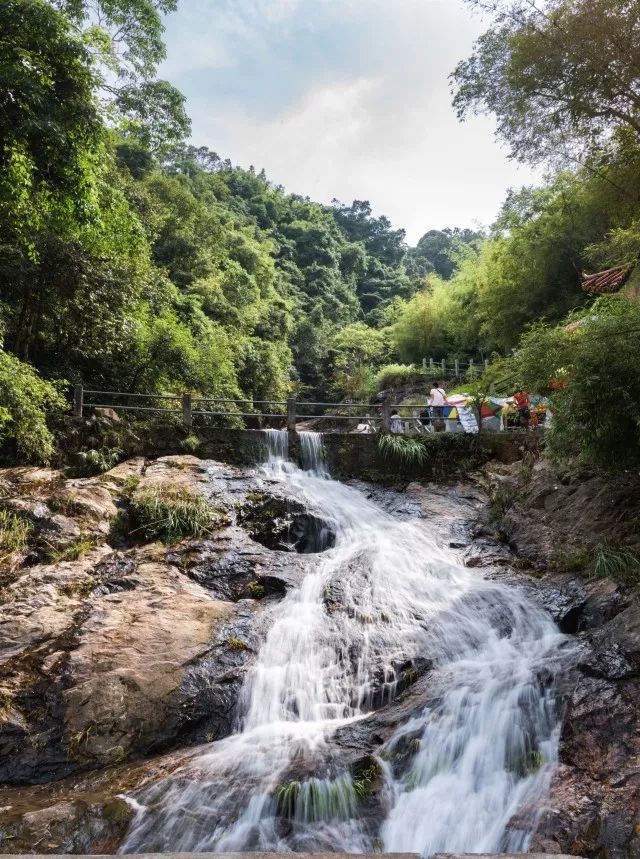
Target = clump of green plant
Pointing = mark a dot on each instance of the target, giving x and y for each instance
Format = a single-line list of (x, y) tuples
[(118, 755), (236, 643), (14, 535), (255, 590), (70, 553), (286, 796), (98, 461), (404, 449), (191, 443), (570, 562), (530, 763), (130, 485), (78, 740), (364, 777), (501, 499), (169, 512), (616, 562)]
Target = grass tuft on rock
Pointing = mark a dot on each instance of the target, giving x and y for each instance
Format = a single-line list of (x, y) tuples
[(620, 563), (170, 512), (14, 535), (404, 449)]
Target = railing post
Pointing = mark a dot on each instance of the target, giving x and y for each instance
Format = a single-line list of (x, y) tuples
[(78, 401), (486, 364), (444, 367), (386, 416), (187, 415), (457, 370), (291, 415), (470, 365), (431, 365), (424, 363)]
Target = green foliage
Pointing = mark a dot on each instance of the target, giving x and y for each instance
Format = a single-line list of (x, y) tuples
[(132, 261), (191, 443), (28, 404), (72, 552), (93, 461), (14, 535), (169, 512), (255, 590), (396, 375), (237, 644), (437, 252), (404, 449), (620, 563), (286, 796), (365, 775), (597, 412), (545, 71)]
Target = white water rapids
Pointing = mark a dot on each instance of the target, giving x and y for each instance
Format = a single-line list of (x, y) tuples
[(475, 751)]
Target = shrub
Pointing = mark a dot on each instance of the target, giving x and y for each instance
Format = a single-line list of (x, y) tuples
[(169, 512), (28, 404), (591, 375)]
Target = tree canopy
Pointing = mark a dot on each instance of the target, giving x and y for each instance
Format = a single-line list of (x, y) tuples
[(559, 75), (133, 260)]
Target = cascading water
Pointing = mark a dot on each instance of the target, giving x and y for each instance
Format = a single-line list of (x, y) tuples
[(479, 748)]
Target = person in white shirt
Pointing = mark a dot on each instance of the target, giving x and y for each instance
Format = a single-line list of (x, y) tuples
[(437, 401)]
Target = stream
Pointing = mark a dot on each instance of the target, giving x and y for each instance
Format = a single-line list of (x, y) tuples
[(463, 772)]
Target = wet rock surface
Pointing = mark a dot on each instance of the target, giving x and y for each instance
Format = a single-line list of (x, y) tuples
[(123, 652), (112, 660), (554, 522)]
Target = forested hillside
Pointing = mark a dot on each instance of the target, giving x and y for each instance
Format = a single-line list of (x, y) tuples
[(134, 261)]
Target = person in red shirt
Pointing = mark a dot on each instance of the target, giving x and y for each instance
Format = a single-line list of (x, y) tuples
[(522, 402)]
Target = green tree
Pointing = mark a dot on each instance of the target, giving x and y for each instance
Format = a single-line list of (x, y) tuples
[(596, 413), (28, 406), (558, 74), (50, 129)]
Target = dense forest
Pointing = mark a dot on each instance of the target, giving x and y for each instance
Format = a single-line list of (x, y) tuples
[(134, 261)]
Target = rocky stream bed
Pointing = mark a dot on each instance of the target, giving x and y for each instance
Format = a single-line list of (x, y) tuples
[(121, 660)]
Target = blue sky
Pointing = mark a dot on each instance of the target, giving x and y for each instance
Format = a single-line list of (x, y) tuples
[(346, 99)]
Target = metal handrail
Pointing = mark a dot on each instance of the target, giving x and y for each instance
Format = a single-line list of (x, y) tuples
[(127, 394)]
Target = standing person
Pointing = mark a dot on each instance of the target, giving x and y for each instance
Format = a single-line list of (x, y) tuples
[(396, 423), (522, 402), (438, 399)]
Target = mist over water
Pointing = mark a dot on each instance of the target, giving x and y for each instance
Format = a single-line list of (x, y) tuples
[(481, 747)]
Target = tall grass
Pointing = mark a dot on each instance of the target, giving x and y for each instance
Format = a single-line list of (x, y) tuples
[(14, 535), (616, 562), (170, 512), (406, 450)]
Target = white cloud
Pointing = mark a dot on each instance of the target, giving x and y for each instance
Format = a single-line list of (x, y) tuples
[(347, 99)]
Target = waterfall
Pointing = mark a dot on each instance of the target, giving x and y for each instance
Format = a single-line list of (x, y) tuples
[(312, 453), (476, 752)]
